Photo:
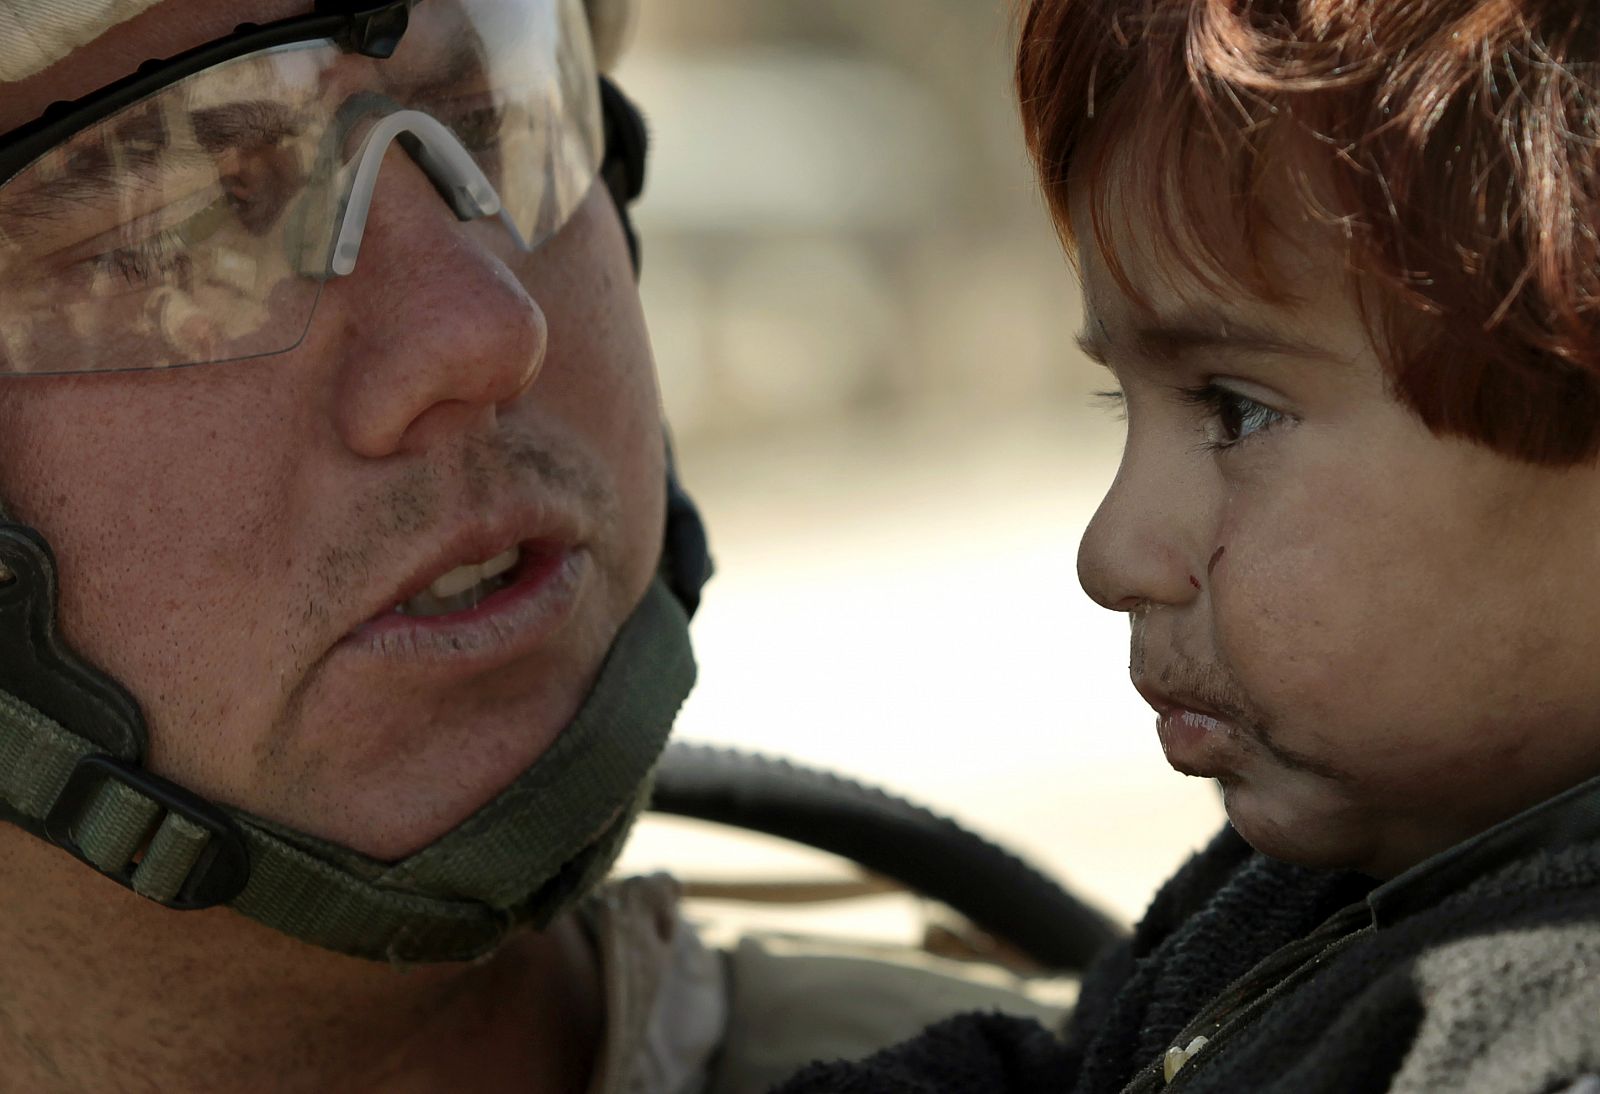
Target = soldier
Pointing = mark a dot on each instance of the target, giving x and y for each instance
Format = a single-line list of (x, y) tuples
[(336, 624)]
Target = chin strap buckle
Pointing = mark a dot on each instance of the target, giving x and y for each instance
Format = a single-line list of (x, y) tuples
[(148, 835)]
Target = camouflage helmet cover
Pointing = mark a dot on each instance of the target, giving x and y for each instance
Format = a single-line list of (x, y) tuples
[(35, 34)]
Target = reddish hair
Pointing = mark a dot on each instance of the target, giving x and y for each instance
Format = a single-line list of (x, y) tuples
[(1456, 143)]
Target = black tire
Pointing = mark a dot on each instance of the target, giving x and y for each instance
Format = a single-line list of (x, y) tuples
[(927, 853)]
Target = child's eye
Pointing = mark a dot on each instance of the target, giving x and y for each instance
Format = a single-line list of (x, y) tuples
[(1113, 403), (1233, 417)]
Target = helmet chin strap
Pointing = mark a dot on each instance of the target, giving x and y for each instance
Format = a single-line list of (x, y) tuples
[(70, 773)]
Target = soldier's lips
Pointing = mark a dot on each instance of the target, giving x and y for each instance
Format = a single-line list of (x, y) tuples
[(508, 615)]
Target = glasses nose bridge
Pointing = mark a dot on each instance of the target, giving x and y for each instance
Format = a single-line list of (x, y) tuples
[(441, 156)]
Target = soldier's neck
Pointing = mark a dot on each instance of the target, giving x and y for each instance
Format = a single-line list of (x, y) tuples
[(104, 991)]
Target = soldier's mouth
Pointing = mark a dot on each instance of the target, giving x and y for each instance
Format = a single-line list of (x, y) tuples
[(464, 587)]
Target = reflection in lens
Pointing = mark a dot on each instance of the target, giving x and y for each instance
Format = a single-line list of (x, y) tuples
[(197, 225), (156, 238)]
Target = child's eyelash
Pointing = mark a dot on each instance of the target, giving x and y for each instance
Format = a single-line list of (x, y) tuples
[(1232, 418), (1236, 418), (1113, 402), (1209, 396)]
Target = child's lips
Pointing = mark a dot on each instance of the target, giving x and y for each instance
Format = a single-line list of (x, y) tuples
[(1192, 733), (1189, 739)]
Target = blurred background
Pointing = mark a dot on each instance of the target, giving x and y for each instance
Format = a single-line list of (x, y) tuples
[(864, 329)]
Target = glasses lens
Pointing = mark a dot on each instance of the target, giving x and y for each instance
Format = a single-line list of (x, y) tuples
[(151, 239), (197, 225)]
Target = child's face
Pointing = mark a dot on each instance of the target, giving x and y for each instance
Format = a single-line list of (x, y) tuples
[(1377, 640)]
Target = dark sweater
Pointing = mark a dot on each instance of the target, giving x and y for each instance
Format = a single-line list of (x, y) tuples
[(1479, 970)]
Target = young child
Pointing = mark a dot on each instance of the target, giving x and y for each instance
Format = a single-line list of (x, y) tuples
[(1342, 262)]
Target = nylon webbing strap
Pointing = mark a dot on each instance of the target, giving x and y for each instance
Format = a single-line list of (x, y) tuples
[(37, 758), (68, 789), (114, 824), (457, 897), (512, 861), (173, 853), (311, 899)]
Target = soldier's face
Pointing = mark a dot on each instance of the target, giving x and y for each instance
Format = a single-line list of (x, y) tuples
[(234, 539)]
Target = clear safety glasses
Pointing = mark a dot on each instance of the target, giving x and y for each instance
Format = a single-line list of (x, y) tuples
[(192, 213)]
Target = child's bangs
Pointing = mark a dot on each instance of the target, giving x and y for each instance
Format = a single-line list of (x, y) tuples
[(1452, 150), (1205, 195)]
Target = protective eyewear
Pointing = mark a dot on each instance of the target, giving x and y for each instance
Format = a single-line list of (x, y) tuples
[(192, 213)]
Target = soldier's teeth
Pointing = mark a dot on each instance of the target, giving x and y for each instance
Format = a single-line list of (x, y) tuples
[(462, 578), (462, 588), (426, 604), (456, 581), (500, 563)]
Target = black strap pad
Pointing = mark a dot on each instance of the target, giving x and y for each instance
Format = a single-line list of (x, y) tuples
[(622, 170), (37, 667)]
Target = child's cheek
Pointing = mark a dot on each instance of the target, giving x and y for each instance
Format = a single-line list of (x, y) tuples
[(1284, 605)]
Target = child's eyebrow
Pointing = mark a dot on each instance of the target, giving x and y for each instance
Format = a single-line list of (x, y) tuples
[(1172, 338)]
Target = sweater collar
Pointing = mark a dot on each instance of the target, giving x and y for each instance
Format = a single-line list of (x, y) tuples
[(1569, 818)]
